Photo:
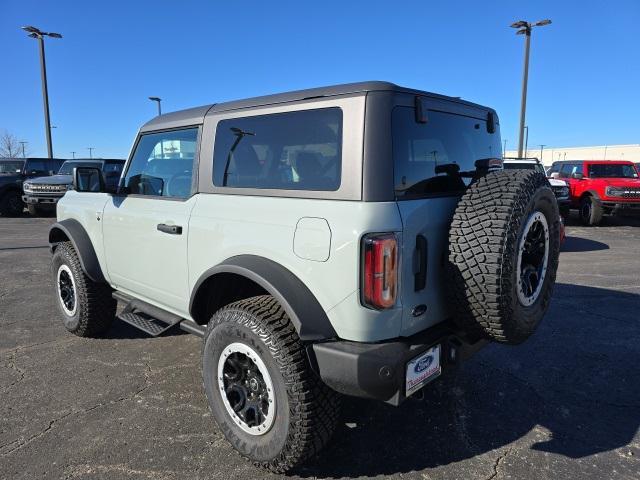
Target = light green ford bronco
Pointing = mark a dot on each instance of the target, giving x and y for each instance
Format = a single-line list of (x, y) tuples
[(357, 239)]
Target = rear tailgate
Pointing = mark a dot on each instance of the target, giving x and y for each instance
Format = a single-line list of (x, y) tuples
[(429, 150)]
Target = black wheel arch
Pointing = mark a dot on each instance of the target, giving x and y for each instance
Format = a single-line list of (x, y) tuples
[(307, 315), (71, 230), (590, 193)]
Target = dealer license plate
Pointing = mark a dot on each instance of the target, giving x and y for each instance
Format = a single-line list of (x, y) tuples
[(422, 369)]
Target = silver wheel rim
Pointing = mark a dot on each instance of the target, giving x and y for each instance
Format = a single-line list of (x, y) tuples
[(246, 389), (66, 286), (533, 256)]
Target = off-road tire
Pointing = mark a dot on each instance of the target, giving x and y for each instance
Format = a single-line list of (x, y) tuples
[(590, 211), (35, 211), (11, 204), (307, 411), (484, 240), (96, 308)]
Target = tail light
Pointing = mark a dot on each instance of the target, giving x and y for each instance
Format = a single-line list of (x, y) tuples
[(379, 270)]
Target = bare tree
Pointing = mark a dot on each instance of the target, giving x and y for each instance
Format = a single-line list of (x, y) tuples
[(9, 146)]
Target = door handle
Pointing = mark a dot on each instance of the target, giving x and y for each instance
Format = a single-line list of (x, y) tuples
[(422, 250), (170, 229)]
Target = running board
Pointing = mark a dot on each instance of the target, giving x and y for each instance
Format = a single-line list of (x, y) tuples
[(151, 319)]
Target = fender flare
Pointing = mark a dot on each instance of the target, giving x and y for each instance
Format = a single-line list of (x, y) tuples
[(302, 307), (592, 193), (78, 236)]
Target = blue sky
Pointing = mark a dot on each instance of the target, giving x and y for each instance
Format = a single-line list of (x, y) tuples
[(583, 89)]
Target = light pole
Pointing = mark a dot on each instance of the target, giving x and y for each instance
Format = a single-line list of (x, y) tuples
[(504, 148), (524, 28), (73, 154), (526, 142), (39, 34), (90, 151), (541, 149), (157, 100), (23, 144)]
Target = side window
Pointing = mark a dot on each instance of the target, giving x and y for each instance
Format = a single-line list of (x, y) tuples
[(577, 168), (37, 167), (555, 167), (448, 141), (162, 164), (566, 170), (290, 151)]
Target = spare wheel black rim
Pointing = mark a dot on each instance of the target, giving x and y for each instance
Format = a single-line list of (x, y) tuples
[(246, 389), (533, 256)]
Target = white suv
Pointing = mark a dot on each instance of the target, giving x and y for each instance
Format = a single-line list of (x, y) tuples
[(356, 239)]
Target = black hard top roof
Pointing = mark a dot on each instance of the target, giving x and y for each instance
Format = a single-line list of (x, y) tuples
[(196, 115)]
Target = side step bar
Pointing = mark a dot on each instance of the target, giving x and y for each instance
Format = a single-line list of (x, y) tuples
[(151, 319)]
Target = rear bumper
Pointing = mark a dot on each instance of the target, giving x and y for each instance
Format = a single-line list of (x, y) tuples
[(377, 370)]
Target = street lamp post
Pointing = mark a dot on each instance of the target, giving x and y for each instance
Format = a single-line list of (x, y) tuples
[(90, 151), (23, 144), (73, 155), (504, 148), (524, 28), (157, 100), (39, 35), (526, 141), (541, 149)]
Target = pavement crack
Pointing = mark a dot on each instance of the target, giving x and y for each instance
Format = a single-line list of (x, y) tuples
[(22, 443), (499, 462), (12, 365)]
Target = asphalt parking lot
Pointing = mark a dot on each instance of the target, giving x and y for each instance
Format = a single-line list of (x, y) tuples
[(566, 404)]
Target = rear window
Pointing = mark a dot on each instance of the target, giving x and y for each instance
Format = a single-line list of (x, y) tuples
[(600, 170), (289, 151), (418, 148)]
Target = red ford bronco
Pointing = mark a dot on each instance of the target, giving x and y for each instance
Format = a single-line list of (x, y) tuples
[(600, 187)]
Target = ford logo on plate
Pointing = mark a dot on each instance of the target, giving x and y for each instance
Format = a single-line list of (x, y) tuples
[(423, 364)]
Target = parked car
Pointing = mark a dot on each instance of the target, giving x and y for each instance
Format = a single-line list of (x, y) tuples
[(600, 187), (560, 187), (42, 194), (357, 239), (13, 172)]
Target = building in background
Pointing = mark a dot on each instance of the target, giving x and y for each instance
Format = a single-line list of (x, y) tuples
[(603, 152)]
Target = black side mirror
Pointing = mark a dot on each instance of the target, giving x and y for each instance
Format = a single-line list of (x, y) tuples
[(88, 179), (577, 176)]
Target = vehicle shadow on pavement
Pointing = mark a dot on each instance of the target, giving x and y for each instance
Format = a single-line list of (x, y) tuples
[(573, 389), (579, 244)]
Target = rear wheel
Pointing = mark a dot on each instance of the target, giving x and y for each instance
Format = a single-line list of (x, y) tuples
[(87, 307), (11, 204), (590, 211), (268, 403), (504, 245)]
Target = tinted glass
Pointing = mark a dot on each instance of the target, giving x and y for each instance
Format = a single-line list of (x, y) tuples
[(568, 169), (37, 166), (162, 164), (67, 167), (10, 166), (289, 151), (619, 170), (112, 167), (444, 140)]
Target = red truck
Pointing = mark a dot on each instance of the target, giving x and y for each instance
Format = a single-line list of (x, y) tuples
[(600, 187)]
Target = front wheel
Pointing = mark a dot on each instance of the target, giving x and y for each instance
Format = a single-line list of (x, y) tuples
[(11, 204), (87, 307), (268, 403), (590, 211)]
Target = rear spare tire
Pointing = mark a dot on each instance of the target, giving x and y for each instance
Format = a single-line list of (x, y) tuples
[(503, 255)]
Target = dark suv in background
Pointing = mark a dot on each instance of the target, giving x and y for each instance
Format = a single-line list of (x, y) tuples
[(41, 194), (13, 172)]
